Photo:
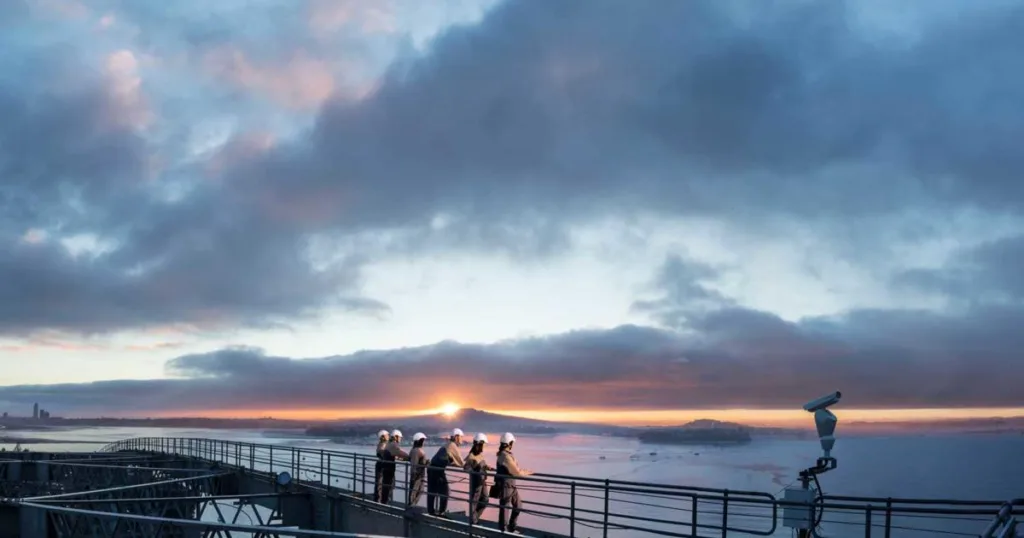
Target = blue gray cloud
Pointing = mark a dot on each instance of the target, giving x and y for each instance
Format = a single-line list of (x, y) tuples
[(710, 353), (541, 116)]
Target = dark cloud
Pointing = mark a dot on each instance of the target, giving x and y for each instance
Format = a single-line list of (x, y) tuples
[(683, 285), (545, 113), (717, 355), (981, 274), (75, 168), (576, 108), (735, 358)]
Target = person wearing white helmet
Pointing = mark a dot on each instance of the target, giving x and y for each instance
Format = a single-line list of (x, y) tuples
[(378, 468), (418, 462), (437, 480), (505, 480), (392, 452), (477, 467)]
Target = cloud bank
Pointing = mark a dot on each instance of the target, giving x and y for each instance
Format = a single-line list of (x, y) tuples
[(119, 210), (717, 356)]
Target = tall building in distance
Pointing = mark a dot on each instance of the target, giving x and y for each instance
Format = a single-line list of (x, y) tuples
[(35, 410)]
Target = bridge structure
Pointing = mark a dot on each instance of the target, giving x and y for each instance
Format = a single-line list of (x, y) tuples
[(186, 487)]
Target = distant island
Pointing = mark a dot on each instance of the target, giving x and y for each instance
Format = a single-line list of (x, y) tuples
[(699, 432), (470, 420)]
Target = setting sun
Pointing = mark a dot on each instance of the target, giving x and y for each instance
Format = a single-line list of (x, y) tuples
[(449, 409)]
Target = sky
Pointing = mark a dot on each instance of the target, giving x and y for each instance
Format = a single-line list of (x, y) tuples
[(599, 210)]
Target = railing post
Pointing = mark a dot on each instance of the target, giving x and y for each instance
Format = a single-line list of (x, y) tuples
[(607, 498), (888, 517), (572, 510), (363, 478), (725, 512), (328, 482), (867, 522), (354, 472), (693, 515), (329, 471)]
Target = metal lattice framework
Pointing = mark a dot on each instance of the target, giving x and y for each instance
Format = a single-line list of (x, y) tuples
[(96, 523), (138, 495)]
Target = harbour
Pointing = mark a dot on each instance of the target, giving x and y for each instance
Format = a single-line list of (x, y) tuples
[(206, 487)]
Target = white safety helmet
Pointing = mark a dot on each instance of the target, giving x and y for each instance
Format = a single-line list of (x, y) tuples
[(418, 436), (382, 433), (480, 438), (457, 432), (396, 433), (507, 438)]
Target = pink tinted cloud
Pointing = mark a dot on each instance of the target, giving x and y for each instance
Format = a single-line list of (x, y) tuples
[(301, 82), (34, 236), (154, 347), (328, 16), (128, 107), (107, 21)]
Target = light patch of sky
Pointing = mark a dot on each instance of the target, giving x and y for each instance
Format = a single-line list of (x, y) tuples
[(469, 299), (206, 136), (488, 298), (87, 244), (475, 298), (423, 21), (902, 24), (45, 366)]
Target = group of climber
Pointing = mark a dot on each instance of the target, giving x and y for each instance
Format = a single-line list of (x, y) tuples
[(432, 470)]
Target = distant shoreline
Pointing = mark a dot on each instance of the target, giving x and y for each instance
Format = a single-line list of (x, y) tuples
[(42, 441), (476, 420)]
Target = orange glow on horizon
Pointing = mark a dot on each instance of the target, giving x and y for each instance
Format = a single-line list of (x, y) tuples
[(656, 417)]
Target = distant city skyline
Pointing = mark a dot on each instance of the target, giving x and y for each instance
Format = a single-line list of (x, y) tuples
[(641, 210)]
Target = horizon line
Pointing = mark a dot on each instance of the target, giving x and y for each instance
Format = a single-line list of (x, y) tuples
[(658, 417)]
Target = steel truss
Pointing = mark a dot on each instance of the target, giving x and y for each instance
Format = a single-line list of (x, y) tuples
[(130, 495), (79, 522), (207, 484), (78, 517), (87, 476)]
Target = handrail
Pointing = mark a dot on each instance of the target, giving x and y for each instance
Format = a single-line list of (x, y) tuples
[(605, 504)]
